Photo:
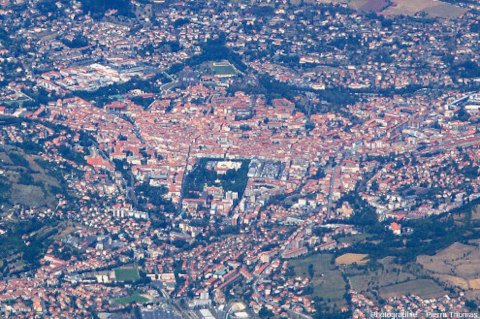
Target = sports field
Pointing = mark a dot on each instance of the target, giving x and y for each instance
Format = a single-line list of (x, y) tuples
[(131, 299), (223, 69), (126, 274)]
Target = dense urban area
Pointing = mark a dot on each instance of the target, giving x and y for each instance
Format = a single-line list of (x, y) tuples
[(239, 159)]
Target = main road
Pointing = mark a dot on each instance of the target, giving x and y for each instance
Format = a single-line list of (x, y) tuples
[(339, 155)]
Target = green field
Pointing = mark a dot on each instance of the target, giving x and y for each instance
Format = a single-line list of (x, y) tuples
[(384, 277), (424, 288), (354, 239), (131, 299), (389, 273), (327, 281), (19, 102), (127, 274), (224, 70)]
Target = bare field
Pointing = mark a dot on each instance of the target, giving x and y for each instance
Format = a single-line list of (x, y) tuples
[(64, 233), (351, 258), (455, 251)]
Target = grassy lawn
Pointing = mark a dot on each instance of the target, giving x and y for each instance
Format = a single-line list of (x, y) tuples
[(126, 274), (131, 299), (20, 102), (354, 239)]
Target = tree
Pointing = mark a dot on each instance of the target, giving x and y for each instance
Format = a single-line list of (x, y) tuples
[(311, 270), (462, 115), (77, 42), (266, 313), (97, 8)]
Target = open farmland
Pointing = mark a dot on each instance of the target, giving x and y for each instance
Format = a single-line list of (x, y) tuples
[(430, 7), (350, 258), (457, 265), (424, 288), (387, 273), (368, 5), (327, 280)]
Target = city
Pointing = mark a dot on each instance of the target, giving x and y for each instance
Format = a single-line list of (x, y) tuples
[(239, 159)]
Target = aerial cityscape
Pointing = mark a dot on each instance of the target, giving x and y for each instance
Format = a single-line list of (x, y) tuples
[(239, 159)]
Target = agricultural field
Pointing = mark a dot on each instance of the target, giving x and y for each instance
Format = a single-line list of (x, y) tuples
[(127, 274), (383, 278), (374, 276), (424, 288), (475, 213), (350, 258), (368, 5), (456, 266), (379, 279), (327, 281), (431, 8), (383, 268)]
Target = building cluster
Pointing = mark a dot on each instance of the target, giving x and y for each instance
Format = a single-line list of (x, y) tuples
[(410, 307), (306, 112)]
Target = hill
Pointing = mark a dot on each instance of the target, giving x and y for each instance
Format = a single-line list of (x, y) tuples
[(36, 159)]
